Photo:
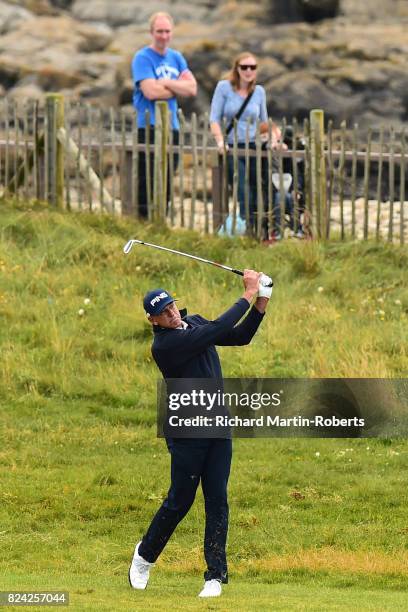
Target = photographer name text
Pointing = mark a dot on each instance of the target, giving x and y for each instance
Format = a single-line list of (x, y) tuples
[(262, 421)]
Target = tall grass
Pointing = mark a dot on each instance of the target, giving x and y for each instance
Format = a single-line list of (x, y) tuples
[(337, 310), (82, 471)]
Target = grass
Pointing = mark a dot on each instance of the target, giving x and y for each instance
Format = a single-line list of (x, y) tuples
[(315, 524)]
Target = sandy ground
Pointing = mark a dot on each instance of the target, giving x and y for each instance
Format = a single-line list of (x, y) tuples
[(335, 217)]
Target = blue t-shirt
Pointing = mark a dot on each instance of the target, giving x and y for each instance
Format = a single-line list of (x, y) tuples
[(226, 103), (148, 64)]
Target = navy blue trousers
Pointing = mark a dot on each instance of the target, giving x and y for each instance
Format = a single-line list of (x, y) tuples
[(192, 461)]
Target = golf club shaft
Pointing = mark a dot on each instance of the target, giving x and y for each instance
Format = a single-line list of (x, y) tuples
[(128, 246)]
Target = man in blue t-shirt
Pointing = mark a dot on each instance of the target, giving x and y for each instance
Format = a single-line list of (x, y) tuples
[(159, 73)]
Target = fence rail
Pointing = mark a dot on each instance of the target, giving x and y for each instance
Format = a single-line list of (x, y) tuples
[(343, 181)]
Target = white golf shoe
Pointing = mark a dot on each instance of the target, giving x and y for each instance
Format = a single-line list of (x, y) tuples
[(139, 570), (212, 588)]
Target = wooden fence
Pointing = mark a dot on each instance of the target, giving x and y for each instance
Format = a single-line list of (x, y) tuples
[(344, 182)]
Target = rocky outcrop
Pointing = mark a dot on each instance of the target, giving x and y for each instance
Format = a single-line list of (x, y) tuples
[(11, 16), (129, 12), (354, 66), (283, 11), (58, 53), (355, 74)]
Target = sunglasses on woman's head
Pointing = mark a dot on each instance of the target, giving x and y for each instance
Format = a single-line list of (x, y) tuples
[(248, 66)]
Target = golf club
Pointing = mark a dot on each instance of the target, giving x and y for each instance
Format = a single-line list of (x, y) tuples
[(128, 247)]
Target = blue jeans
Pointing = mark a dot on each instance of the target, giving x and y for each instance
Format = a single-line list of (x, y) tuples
[(192, 461), (253, 199)]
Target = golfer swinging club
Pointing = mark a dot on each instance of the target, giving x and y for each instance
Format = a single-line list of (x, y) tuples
[(185, 348)]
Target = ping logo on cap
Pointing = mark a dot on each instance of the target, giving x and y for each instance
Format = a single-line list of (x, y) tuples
[(155, 301), (159, 297)]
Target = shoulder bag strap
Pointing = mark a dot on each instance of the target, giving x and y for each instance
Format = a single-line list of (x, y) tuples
[(239, 113)]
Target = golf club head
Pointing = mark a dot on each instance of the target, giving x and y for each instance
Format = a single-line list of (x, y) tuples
[(128, 247)]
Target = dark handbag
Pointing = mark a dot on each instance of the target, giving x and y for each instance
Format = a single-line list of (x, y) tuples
[(239, 113)]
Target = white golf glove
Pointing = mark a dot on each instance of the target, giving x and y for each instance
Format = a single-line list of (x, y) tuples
[(264, 290)]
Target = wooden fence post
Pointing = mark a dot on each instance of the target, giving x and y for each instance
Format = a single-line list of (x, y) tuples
[(218, 190), (319, 196), (402, 188), (161, 132), (54, 109)]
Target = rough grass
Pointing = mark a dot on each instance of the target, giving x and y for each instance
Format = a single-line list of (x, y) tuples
[(315, 524)]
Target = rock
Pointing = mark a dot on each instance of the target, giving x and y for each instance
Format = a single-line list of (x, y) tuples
[(28, 91), (294, 94), (127, 40), (104, 91), (126, 95), (116, 14), (283, 11), (315, 10), (136, 12), (383, 104), (61, 4), (375, 10), (53, 49), (198, 35), (11, 16), (354, 65), (94, 38), (37, 7)]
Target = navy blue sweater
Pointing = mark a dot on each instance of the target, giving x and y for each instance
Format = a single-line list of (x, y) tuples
[(191, 352)]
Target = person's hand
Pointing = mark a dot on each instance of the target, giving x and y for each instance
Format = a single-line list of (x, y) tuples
[(221, 147), (251, 280), (166, 82), (265, 292), (251, 284), (277, 144), (265, 280), (265, 286)]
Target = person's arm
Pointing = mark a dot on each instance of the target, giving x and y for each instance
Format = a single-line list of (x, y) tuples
[(154, 89), (216, 115), (144, 78), (263, 116), (218, 137), (243, 333), (183, 344), (185, 85), (263, 113), (187, 343), (164, 89), (261, 303)]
